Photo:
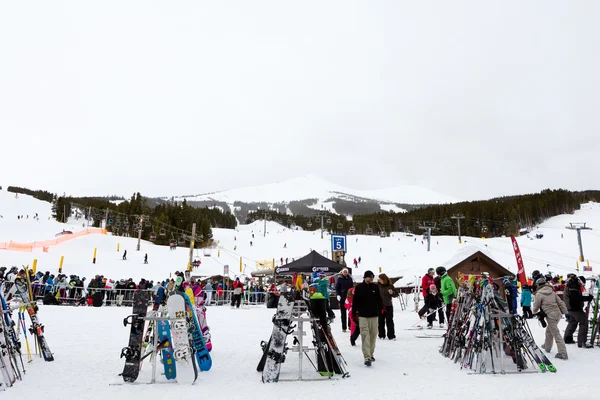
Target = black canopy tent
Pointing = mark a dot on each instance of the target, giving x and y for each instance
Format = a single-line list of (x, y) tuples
[(312, 262)]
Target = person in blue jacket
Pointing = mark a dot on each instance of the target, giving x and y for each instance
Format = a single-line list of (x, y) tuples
[(526, 302)]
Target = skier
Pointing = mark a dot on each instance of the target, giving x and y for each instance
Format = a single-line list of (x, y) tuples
[(574, 301), (526, 302), (354, 331), (386, 317), (238, 290), (355, 262), (359, 259), (125, 255), (366, 306), (432, 303), (208, 289), (553, 308), (285, 245), (146, 258), (448, 289), (342, 285), (251, 243)]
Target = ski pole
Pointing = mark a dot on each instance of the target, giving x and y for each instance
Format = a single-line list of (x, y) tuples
[(22, 322)]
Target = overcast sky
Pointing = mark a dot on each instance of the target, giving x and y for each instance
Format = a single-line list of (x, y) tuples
[(469, 99)]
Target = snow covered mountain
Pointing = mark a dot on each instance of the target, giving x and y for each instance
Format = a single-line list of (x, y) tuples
[(318, 194)]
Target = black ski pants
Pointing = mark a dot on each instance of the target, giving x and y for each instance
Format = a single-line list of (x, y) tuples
[(527, 312), (236, 300), (448, 311), (577, 318), (344, 313), (386, 319)]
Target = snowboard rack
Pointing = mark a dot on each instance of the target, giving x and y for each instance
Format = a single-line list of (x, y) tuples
[(300, 315)]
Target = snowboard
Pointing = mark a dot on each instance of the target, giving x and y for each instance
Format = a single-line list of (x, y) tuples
[(195, 335), (178, 326), (133, 352), (281, 328), (198, 300), (36, 327), (168, 354)]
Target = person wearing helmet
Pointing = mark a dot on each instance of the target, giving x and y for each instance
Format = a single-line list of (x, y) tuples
[(534, 277), (448, 289), (574, 301), (547, 301)]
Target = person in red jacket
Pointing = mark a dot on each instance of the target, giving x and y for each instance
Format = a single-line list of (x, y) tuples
[(427, 281), (238, 290)]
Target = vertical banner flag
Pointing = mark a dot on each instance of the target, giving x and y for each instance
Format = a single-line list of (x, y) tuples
[(521, 274)]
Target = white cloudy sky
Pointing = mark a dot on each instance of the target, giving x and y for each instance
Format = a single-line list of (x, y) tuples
[(468, 98)]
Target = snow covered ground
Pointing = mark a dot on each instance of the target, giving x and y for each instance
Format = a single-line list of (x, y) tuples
[(87, 341)]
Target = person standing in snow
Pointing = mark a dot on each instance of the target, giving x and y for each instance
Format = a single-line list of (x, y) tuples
[(386, 317), (342, 284), (125, 255), (553, 307), (448, 289), (574, 300), (146, 258), (427, 280), (526, 302), (366, 306), (432, 303), (354, 331), (238, 290)]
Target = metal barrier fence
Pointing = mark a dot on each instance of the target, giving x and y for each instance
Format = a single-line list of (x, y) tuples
[(124, 297)]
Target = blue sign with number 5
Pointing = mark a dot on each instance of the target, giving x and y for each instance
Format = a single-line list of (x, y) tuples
[(338, 242)]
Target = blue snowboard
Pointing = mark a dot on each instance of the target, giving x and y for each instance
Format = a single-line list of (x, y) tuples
[(164, 332), (197, 339)]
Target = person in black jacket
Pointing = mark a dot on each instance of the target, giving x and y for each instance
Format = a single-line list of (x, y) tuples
[(574, 300), (343, 283), (432, 303), (367, 305)]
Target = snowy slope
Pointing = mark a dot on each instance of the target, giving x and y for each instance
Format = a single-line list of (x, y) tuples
[(397, 255), (312, 187)]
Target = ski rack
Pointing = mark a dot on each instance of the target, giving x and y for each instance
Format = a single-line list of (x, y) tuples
[(150, 317), (298, 310)]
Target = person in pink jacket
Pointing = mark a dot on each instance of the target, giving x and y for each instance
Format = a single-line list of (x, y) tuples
[(354, 331)]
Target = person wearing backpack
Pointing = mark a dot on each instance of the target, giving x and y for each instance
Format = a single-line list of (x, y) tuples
[(547, 301)]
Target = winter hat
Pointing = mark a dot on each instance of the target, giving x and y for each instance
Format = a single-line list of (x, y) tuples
[(432, 287), (368, 274), (430, 270), (582, 279), (541, 281)]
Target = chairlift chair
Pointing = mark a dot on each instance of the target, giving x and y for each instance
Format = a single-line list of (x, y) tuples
[(352, 229), (317, 219), (162, 232), (308, 224), (152, 236), (340, 225), (369, 231), (207, 252), (181, 240), (328, 221)]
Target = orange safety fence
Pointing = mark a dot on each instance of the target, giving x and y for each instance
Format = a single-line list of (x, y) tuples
[(29, 246)]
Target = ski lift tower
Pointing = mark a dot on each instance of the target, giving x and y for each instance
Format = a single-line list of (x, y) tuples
[(579, 226), (428, 226)]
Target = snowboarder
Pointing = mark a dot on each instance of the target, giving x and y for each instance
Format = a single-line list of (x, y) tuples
[(125, 255), (285, 245), (359, 259), (547, 301), (251, 243), (366, 306), (355, 262)]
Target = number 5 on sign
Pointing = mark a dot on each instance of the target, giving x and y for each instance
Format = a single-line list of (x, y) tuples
[(338, 242)]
